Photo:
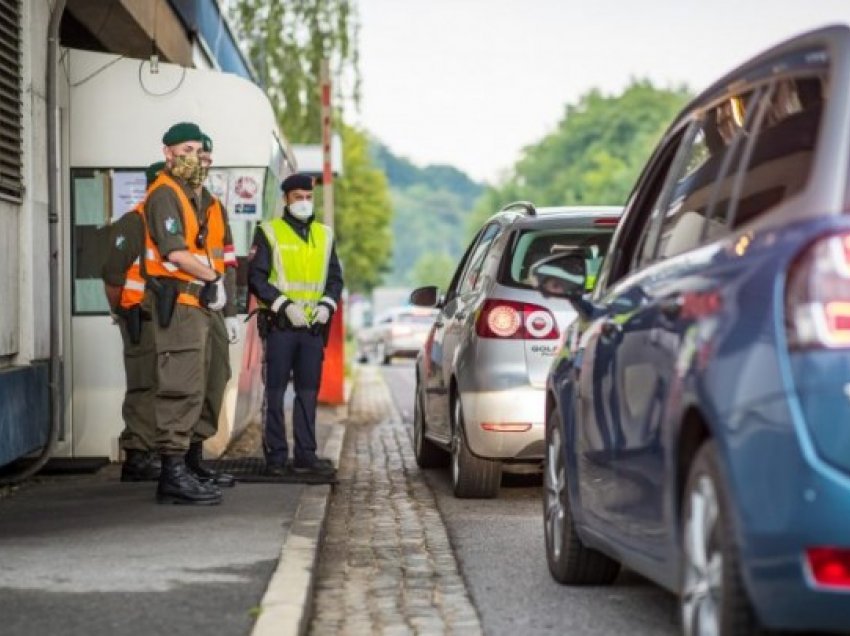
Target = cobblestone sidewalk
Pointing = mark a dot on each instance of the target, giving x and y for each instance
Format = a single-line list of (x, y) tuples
[(386, 566)]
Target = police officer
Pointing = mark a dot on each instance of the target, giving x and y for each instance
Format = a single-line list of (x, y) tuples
[(224, 325), (186, 290), (125, 287), (295, 274)]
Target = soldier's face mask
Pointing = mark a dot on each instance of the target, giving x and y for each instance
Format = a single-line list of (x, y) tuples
[(188, 167)]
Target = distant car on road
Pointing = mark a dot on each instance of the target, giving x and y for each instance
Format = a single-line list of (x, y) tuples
[(698, 417), (400, 332), (481, 375)]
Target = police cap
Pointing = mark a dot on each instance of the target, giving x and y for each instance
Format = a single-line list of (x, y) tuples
[(153, 170), (296, 181), (184, 131)]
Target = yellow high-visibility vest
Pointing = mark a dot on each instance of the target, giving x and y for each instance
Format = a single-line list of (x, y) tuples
[(299, 267)]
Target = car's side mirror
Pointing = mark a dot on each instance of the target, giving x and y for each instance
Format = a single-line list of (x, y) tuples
[(426, 296), (561, 275)]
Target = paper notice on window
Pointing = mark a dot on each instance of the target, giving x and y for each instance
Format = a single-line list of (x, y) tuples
[(245, 194), (89, 201), (218, 182), (128, 188)]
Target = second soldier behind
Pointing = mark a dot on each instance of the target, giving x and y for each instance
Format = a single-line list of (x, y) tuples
[(124, 285)]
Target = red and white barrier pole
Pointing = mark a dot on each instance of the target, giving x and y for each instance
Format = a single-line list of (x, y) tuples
[(332, 390)]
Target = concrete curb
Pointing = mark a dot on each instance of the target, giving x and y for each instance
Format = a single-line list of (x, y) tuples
[(286, 606)]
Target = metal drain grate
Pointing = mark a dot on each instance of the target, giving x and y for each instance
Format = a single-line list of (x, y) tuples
[(250, 470)]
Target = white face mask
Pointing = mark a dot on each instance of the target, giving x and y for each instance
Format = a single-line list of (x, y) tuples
[(301, 210)]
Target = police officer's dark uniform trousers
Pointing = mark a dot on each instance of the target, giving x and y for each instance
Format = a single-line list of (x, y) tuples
[(299, 351)]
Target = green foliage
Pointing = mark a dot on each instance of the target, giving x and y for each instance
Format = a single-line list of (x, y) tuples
[(594, 156), (286, 42), (433, 268), (431, 205), (363, 215)]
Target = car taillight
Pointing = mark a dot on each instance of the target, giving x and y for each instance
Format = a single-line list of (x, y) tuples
[(817, 296), (606, 221), (514, 320), (829, 567)]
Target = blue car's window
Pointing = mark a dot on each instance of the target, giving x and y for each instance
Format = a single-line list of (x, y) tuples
[(696, 212), (783, 147)]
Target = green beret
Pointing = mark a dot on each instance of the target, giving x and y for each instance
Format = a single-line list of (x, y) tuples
[(184, 131), (297, 181), (153, 170), (205, 139)]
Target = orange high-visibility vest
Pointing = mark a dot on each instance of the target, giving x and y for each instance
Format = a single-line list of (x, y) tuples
[(157, 266), (222, 255), (133, 291)]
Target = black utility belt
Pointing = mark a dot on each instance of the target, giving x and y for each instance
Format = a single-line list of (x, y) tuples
[(180, 286)]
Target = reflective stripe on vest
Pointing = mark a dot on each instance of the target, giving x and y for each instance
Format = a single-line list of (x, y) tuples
[(299, 268), (160, 267), (133, 291)]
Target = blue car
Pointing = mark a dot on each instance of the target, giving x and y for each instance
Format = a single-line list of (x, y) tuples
[(698, 413)]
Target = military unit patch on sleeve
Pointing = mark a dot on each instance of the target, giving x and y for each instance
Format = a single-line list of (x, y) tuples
[(171, 225), (120, 241)]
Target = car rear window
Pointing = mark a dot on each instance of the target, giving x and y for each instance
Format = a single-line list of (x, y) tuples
[(532, 245)]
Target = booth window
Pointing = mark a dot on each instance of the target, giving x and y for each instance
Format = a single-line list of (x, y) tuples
[(98, 198), (11, 171)]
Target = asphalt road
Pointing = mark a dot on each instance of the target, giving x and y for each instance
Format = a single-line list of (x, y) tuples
[(499, 545)]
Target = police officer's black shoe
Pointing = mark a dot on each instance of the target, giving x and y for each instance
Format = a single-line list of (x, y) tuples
[(140, 466), (177, 485), (205, 475), (276, 470), (316, 466)]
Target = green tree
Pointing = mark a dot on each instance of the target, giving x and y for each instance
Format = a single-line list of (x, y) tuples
[(430, 204), (364, 213), (433, 268), (595, 154), (286, 42)]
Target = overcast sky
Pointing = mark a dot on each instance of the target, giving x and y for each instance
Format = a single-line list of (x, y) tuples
[(471, 82)]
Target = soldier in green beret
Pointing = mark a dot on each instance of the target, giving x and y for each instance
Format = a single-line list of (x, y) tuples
[(181, 236)]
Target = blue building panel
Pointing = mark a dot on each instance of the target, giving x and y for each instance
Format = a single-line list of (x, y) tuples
[(24, 410), (204, 17)]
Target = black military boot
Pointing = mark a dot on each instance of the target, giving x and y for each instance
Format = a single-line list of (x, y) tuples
[(205, 475), (177, 485), (140, 466)]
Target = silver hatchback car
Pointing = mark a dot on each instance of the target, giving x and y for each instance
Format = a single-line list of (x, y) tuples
[(481, 375)]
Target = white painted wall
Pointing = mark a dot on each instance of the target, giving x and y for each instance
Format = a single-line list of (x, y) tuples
[(23, 227)]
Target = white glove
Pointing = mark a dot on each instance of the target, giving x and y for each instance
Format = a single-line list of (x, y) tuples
[(220, 296), (232, 325), (296, 315), (322, 315)]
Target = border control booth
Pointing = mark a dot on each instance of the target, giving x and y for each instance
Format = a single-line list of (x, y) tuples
[(119, 109)]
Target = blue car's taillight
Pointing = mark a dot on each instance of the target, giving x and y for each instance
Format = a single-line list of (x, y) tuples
[(817, 297), (829, 567)]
